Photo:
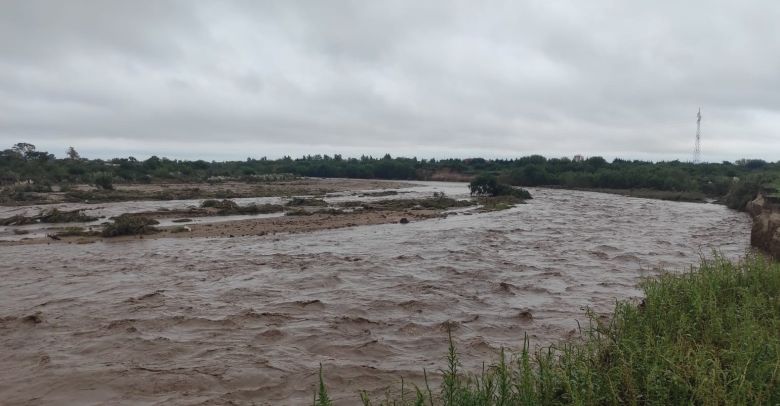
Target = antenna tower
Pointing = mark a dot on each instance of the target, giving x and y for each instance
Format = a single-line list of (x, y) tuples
[(697, 148)]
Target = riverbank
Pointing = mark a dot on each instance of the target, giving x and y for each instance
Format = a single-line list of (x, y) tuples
[(764, 234), (693, 197)]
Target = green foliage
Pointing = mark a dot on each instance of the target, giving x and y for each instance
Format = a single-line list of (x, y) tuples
[(743, 191), (321, 398), (60, 216), (498, 203), (707, 337), (484, 185), (224, 204), (76, 232), (437, 202), (104, 180), (488, 185), (304, 201), (72, 153), (23, 162), (17, 220), (49, 216), (227, 207), (129, 224)]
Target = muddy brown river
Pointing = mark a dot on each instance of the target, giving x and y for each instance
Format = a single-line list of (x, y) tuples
[(248, 320)]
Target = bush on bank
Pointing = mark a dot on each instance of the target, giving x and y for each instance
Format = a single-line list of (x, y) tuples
[(709, 336), (129, 224), (488, 185)]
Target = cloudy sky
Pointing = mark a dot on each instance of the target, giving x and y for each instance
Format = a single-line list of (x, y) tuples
[(233, 79)]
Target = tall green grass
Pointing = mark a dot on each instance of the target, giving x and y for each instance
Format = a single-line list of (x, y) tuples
[(706, 337)]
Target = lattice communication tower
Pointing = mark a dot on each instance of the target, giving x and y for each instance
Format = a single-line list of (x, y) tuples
[(697, 148)]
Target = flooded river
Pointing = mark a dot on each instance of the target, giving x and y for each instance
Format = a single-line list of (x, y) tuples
[(218, 320)]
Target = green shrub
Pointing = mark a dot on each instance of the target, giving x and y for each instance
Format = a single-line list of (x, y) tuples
[(260, 209), (438, 202), (104, 180), (17, 220), (306, 201), (743, 191), (219, 204), (129, 224), (498, 203), (60, 216), (228, 207), (298, 212), (488, 185)]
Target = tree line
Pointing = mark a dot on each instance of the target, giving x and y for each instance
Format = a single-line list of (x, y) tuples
[(24, 163)]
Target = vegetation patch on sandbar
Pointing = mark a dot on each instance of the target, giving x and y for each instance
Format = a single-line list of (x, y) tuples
[(77, 232), (494, 195), (49, 216), (229, 207), (130, 224)]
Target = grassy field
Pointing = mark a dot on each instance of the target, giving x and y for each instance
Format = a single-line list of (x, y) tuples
[(707, 337)]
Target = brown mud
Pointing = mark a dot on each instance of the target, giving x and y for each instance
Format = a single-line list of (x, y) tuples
[(248, 320)]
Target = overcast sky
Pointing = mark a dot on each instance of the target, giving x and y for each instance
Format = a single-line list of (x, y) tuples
[(234, 79)]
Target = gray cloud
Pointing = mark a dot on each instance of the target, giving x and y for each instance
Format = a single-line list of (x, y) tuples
[(226, 80)]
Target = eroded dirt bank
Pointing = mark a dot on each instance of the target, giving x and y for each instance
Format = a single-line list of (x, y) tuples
[(248, 319), (765, 233)]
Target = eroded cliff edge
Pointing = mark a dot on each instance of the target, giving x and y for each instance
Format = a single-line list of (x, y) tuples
[(765, 234)]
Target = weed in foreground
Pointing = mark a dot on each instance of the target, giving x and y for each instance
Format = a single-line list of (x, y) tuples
[(321, 397)]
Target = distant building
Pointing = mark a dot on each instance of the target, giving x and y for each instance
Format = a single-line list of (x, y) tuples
[(578, 158)]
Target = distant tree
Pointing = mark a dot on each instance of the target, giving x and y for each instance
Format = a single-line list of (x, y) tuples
[(532, 159), (152, 163), (24, 149), (11, 154), (596, 161), (72, 154), (753, 164)]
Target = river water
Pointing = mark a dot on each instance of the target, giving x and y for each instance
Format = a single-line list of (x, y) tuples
[(211, 321)]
